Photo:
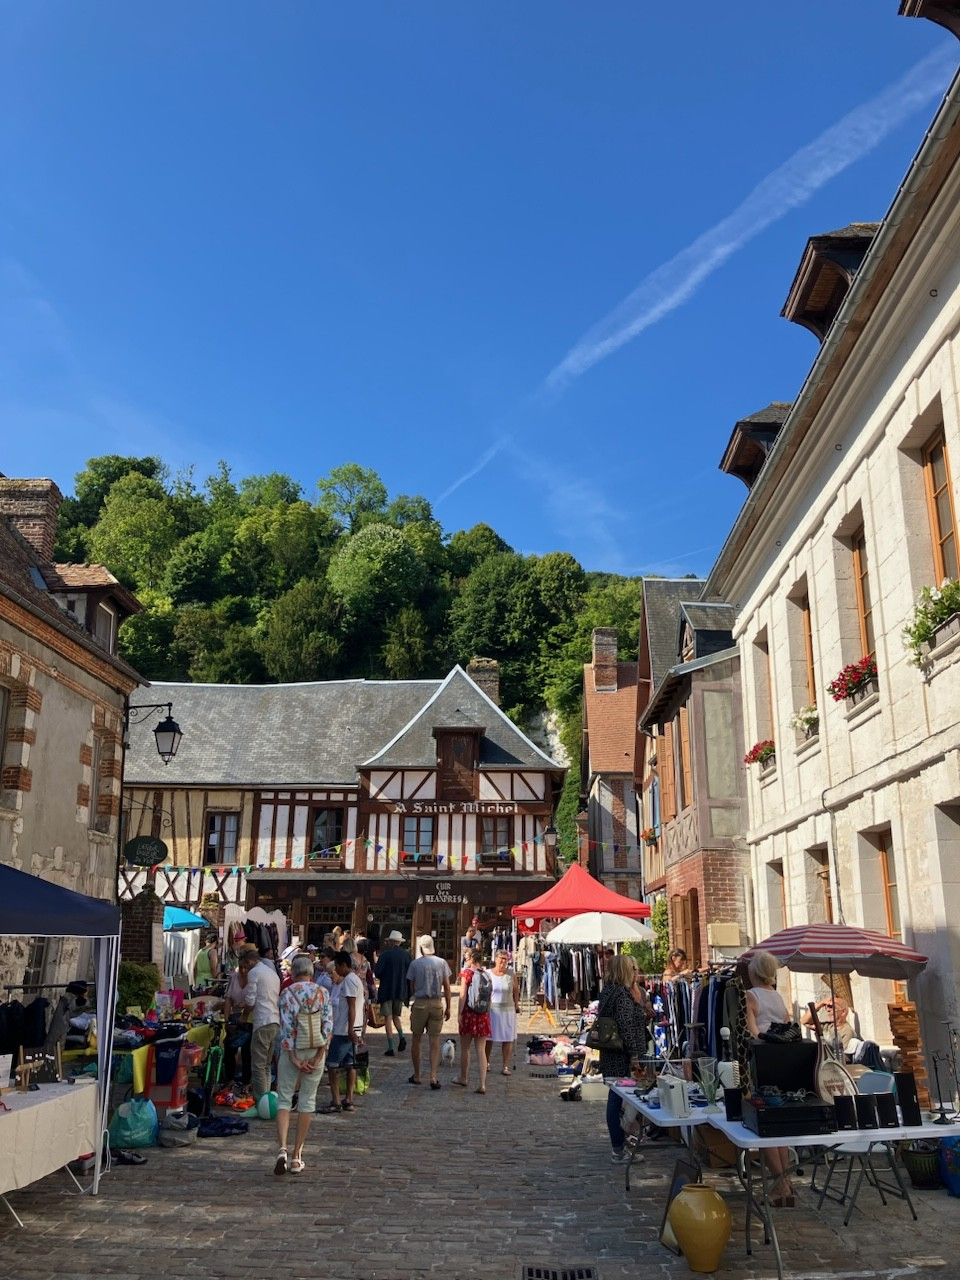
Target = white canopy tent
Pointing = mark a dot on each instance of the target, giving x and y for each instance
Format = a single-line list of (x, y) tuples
[(35, 908), (600, 929)]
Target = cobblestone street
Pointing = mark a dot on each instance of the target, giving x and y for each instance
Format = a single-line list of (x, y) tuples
[(423, 1183)]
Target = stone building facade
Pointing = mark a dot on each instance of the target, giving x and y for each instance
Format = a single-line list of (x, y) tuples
[(62, 697), (852, 512)]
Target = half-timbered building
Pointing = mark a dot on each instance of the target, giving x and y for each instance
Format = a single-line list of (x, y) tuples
[(377, 805)]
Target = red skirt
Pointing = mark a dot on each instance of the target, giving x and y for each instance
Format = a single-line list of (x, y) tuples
[(474, 1024)]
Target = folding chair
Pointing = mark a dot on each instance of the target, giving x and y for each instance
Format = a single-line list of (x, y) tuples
[(861, 1151)]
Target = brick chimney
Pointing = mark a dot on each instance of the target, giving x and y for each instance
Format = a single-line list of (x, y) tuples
[(605, 659), (31, 507), (485, 672)]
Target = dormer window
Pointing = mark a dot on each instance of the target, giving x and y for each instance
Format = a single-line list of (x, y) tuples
[(105, 626), (458, 755)]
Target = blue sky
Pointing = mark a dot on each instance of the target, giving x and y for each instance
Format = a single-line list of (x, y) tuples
[(524, 258)]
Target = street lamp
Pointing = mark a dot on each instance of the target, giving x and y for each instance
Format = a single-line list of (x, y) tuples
[(167, 732), (550, 844)]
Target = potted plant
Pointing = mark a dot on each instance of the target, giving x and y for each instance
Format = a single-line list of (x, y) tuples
[(807, 721), (762, 753), (935, 618), (649, 835), (855, 682), (921, 1159)]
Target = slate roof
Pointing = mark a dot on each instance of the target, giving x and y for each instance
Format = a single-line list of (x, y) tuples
[(459, 703), (611, 721), (21, 572), (316, 734), (661, 598), (706, 616)]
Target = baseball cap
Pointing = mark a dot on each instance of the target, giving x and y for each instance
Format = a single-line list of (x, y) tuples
[(425, 945), (311, 947), (395, 936)]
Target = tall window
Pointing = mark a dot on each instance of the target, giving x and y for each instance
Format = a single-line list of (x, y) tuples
[(221, 847), (763, 686), (888, 878), (665, 769), (95, 767), (496, 833), (936, 474), (4, 714), (105, 626), (326, 830), (806, 623), (861, 579), (418, 835)]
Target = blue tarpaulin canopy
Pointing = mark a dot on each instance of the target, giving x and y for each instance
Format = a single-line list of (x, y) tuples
[(31, 907), (179, 918)]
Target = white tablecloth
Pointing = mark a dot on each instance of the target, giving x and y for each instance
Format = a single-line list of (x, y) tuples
[(45, 1130)]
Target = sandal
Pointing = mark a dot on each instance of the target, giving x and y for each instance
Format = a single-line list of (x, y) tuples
[(412, 1080), (461, 1083), (297, 1166), (480, 1091), (128, 1157), (280, 1166), (434, 1084), (333, 1109), (347, 1106)]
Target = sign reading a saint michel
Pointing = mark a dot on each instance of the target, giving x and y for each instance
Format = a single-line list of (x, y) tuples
[(145, 851)]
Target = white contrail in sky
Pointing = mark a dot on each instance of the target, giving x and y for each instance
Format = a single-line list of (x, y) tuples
[(789, 186)]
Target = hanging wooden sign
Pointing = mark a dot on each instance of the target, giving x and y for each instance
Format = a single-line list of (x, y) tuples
[(145, 851)]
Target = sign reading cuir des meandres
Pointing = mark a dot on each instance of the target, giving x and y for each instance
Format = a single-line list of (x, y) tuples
[(145, 851)]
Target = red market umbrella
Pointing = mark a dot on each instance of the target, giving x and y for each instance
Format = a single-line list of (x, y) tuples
[(842, 948)]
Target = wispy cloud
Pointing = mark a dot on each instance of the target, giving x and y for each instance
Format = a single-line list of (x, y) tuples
[(787, 187)]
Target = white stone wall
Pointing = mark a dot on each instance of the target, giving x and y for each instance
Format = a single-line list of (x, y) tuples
[(894, 763)]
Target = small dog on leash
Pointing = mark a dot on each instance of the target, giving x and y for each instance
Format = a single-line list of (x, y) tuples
[(448, 1052)]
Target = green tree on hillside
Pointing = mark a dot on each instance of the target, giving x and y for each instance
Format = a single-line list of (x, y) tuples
[(352, 495)]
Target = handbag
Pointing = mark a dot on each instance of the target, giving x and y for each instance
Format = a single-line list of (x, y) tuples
[(782, 1033), (374, 1017), (604, 1034)]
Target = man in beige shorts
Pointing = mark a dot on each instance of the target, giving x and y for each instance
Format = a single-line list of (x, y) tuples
[(429, 981)]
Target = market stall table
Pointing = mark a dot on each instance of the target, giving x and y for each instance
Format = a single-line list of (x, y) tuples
[(44, 1130), (656, 1115), (746, 1142)]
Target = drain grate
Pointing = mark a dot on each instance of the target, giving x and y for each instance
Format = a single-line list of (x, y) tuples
[(559, 1273)]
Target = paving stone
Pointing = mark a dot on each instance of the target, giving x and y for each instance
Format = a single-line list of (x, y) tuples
[(436, 1184)]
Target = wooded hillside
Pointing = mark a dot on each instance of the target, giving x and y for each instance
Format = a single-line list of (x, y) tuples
[(253, 581)]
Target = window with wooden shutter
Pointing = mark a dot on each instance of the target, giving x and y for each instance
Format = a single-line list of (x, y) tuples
[(686, 769), (665, 767), (861, 579), (936, 474)]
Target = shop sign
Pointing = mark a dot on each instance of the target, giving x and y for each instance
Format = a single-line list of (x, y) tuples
[(428, 807), (443, 895), (145, 851)]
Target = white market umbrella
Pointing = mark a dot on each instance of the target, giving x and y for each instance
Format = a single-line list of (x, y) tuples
[(598, 928)]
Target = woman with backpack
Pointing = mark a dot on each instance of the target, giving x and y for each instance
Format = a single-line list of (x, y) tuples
[(476, 990)]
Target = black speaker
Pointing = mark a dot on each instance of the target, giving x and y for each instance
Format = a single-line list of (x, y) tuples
[(866, 1104), (846, 1112), (733, 1104), (907, 1097), (887, 1111)]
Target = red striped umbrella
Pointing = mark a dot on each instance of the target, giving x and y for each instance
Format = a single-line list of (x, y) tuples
[(842, 948)]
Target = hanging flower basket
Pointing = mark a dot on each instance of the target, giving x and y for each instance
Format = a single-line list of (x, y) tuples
[(762, 753), (935, 620), (649, 835), (855, 682)]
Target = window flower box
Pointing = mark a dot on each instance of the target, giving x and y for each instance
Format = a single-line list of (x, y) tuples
[(500, 859), (807, 721), (769, 765), (326, 860), (935, 620), (649, 835), (419, 861), (857, 681), (761, 753)]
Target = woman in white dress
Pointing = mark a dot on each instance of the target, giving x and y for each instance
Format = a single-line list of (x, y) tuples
[(504, 1006)]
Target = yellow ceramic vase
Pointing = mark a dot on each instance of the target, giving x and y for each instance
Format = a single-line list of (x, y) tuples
[(700, 1220)]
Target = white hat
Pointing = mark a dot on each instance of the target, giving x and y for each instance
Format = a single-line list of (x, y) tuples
[(311, 947), (425, 945), (395, 936)]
